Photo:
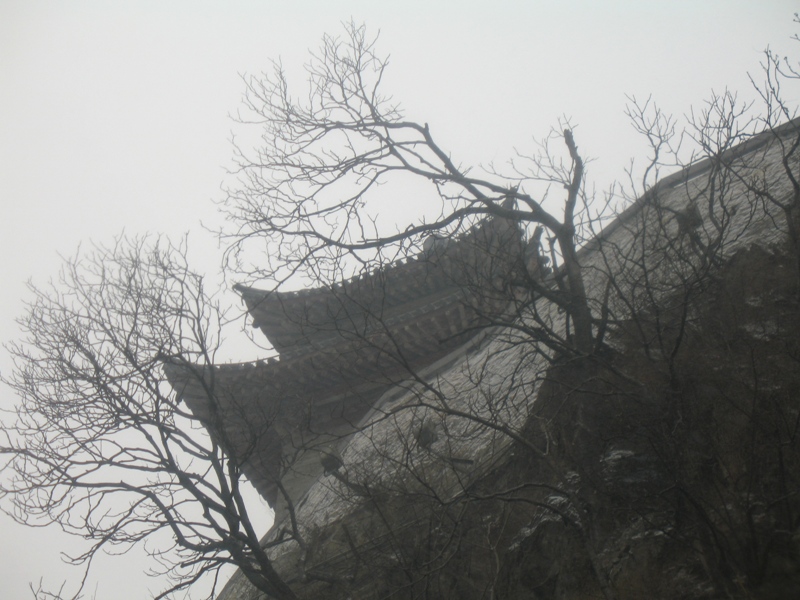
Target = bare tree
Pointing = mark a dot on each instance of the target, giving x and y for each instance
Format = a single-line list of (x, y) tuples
[(308, 189), (100, 444), (609, 327)]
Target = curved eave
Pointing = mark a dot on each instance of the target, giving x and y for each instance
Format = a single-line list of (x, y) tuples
[(343, 363), (294, 321)]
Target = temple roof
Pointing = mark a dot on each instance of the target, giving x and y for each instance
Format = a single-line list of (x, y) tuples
[(297, 322)]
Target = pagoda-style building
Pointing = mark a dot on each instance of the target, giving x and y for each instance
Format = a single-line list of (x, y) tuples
[(340, 347)]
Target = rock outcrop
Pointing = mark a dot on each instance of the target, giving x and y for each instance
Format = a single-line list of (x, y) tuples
[(666, 464)]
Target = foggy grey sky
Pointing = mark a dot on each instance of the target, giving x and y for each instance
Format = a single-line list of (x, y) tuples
[(114, 115)]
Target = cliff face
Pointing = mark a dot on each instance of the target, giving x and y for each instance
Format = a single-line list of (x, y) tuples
[(664, 465), (686, 469)]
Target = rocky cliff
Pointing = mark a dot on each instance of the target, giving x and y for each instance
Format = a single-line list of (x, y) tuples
[(666, 464)]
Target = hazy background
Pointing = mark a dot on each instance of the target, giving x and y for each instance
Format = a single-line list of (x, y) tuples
[(114, 116)]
